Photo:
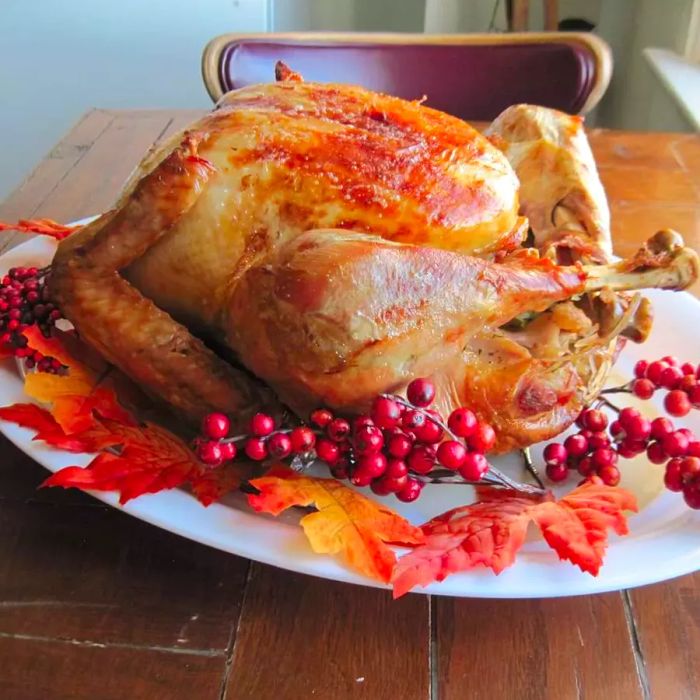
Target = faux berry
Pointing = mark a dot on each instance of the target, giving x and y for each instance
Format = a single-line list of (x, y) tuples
[(462, 422), (385, 412), (690, 468), (557, 472), (399, 445), (671, 377), (412, 420), (279, 446), (429, 433), (327, 450), (603, 457), (215, 426), (555, 453), (640, 369), (302, 439), (675, 444), (393, 484), (256, 449), (585, 467), (598, 440), (610, 475), (261, 424), (420, 392), (368, 440), (654, 371), (395, 468), (576, 445), (228, 451), (321, 417), (617, 431), (451, 454), (661, 427), (362, 422), (474, 466), (691, 495), (338, 429), (688, 383), (637, 428), (673, 478), (483, 438), (656, 453), (594, 420), (671, 360), (693, 448), (379, 487), (643, 388), (411, 491), (421, 459), (341, 469), (677, 403), (209, 452), (688, 368)]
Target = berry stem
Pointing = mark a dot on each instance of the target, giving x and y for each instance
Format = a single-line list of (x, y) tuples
[(605, 402), (622, 389), (530, 466)]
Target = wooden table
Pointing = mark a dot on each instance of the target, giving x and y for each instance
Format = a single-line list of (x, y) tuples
[(97, 605)]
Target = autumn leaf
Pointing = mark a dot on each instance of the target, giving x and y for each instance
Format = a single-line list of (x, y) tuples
[(76, 413), (151, 459), (211, 485), (29, 415), (490, 533), (345, 522), (45, 227), (45, 387)]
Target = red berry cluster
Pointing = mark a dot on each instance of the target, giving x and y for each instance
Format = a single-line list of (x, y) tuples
[(682, 381), (24, 301), (400, 441), (391, 449), (590, 451), (263, 441)]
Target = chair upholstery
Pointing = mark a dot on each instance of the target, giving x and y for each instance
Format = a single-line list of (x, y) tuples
[(471, 76)]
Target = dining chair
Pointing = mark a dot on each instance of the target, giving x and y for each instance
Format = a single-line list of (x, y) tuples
[(472, 76)]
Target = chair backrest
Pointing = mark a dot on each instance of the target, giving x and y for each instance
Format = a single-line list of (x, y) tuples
[(473, 76)]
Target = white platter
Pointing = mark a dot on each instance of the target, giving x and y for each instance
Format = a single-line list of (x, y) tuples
[(664, 539)]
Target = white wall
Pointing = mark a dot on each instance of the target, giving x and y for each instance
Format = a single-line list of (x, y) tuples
[(59, 58)]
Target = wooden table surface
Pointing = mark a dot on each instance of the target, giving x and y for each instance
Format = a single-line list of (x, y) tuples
[(97, 605)]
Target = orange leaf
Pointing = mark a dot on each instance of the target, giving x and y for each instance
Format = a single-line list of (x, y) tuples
[(576, 526), (490, 533), (74, 413), (46, 227), (211, 485), (45, 387), (151, 459), (345, 522)]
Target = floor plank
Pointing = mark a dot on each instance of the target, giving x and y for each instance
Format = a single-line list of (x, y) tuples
[(667, 619), (302, 637), (33, 669), (535, 649), (101, 576)]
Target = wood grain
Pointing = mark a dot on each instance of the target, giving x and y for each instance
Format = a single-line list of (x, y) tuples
[(97, 575), (535, 649), (328, 640), (34, 669)]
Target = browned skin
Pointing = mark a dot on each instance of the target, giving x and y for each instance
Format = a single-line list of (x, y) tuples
[(251, 230)]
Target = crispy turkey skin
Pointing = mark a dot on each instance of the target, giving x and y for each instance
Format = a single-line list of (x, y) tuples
[(341, 242)]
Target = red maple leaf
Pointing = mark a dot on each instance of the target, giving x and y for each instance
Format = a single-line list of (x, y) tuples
[(150, 459), (490, 533)]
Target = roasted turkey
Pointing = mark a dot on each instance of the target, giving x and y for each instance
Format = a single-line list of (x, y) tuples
[(314, 244)]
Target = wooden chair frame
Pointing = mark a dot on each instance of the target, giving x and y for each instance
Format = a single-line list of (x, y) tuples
[(595, 45)]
